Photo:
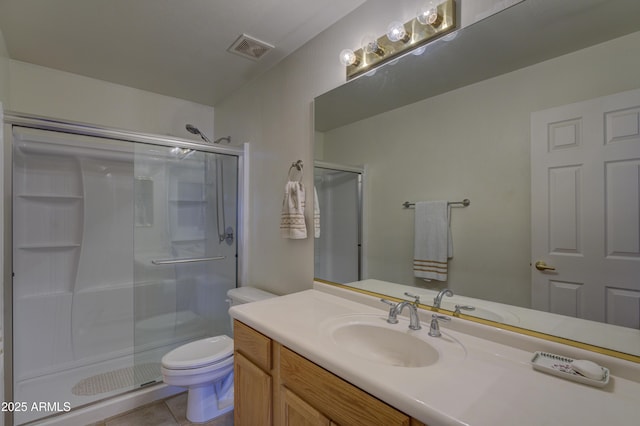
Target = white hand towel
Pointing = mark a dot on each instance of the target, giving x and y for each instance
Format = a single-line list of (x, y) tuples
[(292, 223), (316, 214), (432, 242)]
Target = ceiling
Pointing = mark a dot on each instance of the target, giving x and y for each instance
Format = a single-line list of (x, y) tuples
[(172, 47)]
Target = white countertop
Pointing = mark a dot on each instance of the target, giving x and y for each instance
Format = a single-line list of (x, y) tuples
[(493, 385)]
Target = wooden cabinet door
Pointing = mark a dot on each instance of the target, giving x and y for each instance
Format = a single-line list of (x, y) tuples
[(296, 412), (252, 394), (339, 400)]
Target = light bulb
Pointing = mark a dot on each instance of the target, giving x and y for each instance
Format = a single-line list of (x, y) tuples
[(348, 57), (370, 45), (428, 14), (396, 32)]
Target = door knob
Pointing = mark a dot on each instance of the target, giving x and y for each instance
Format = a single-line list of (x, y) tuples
[(542, 266)]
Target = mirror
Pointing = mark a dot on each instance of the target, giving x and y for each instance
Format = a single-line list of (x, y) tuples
[(457, 122)]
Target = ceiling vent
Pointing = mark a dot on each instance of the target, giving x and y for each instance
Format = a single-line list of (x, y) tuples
[(250, 47)]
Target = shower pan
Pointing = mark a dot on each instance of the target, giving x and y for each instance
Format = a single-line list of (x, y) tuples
[(123, 249)]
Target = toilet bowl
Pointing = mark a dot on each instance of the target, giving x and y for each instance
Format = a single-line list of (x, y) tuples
[(205, 367)]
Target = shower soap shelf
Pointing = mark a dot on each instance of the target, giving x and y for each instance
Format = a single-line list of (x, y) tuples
[(561, 366)]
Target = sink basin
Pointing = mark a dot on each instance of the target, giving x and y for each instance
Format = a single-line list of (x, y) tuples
[(371, 338)]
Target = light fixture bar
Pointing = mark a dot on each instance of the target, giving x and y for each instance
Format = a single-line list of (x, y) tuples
[(419, 34)]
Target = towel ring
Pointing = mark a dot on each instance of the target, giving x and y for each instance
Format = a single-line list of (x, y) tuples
[(298, 167)]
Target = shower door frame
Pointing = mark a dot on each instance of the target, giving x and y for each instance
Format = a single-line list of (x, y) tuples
[(46, 123)]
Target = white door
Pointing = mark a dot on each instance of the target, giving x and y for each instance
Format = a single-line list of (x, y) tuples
[(585, 206)]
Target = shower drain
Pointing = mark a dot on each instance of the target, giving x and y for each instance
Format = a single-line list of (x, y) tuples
[(117, 379)]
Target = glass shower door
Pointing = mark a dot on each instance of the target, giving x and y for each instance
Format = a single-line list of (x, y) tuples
[(184, 250), (121, 251)]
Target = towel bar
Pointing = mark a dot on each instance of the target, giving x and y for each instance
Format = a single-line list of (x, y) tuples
[(463, 203), (193, 260)]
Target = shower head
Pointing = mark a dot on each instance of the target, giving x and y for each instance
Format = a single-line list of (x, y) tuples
[(193, 129)]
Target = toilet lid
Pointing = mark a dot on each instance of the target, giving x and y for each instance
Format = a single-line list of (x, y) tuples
[(199, 353)]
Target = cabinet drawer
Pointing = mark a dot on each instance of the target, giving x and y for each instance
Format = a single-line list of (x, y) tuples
[(340, 401), (252, 344)]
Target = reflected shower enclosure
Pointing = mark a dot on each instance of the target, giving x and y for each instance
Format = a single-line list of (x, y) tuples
[(117, 258), (338, 249)]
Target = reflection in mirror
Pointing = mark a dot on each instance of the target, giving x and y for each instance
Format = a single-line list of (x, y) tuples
[(337, 247), (476, 121)]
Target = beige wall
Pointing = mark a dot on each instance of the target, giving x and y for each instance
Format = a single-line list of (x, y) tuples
[(471, 143), (48, 92)]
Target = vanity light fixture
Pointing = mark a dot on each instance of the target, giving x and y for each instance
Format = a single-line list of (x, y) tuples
[(433, 19)]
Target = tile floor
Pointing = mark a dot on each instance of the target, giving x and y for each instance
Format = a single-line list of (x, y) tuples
[(167, 412)]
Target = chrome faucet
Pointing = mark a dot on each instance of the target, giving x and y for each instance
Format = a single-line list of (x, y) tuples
[(396, 308), (438, 299)]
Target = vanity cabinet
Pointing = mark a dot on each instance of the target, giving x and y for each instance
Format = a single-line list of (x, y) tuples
[(276, 386)]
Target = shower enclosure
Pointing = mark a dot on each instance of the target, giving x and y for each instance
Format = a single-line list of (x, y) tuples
[(123, 249), (338, 249)]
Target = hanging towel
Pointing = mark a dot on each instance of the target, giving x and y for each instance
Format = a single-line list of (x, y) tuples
[(432, 242), (316, 214), (292, 223)]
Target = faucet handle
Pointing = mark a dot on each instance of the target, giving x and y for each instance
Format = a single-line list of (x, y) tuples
[(440, 317), (392, 319), (464, 308), (416, 297), (434, 329)]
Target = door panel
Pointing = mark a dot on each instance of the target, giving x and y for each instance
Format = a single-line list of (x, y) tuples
[(585, 167)]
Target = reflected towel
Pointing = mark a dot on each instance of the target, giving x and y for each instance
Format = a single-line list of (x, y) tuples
[(432, 242), (292, 223), (316, 214)]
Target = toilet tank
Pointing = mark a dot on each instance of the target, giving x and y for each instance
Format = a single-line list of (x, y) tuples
[(240, 295)]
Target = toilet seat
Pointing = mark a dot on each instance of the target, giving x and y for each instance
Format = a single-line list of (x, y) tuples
[(199, 354), (206, 373)]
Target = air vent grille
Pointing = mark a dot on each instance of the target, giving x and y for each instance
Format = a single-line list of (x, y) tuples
[(250, 47)]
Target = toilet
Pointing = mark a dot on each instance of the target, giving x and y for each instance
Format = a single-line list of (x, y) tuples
[(205, 367)]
